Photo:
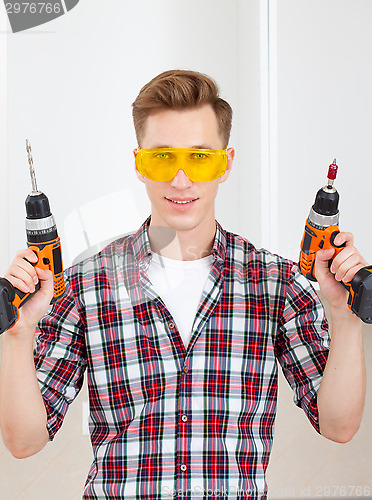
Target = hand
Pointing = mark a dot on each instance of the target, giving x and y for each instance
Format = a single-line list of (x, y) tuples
[(343, 268), (24, 276)]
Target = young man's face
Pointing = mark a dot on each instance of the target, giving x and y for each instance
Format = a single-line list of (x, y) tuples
[(192, 128)]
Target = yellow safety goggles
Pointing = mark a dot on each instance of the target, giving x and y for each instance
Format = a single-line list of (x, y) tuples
[(200, 165)]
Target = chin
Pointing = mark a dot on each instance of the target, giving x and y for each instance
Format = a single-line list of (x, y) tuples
[(182, 223)]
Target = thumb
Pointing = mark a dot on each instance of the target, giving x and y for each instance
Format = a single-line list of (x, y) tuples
[(46, 281), (44, 274), (322, 259)]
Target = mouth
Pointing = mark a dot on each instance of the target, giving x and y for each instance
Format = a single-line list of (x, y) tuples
[(180, 203)]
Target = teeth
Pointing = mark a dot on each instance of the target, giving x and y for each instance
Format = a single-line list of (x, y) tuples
[(182, 202)]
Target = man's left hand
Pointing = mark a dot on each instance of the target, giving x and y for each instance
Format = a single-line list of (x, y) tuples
[(343, 268)]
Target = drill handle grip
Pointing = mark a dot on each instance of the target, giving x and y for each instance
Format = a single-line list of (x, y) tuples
[(21, 298), (50, 257), (360, 287), (338, 249)]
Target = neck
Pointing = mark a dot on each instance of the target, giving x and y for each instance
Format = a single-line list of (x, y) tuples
[(190, 244)]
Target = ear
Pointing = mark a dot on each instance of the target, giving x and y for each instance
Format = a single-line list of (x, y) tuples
[(230, 158), (139, 176)]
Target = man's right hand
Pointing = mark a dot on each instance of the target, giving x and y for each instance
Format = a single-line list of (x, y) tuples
[(24, 276), (23, 415)]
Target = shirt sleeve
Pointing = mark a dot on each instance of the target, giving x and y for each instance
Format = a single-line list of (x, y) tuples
[(60, 357), (303, 343)]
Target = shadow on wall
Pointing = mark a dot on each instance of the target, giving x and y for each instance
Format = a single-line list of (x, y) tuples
[(97, 223)]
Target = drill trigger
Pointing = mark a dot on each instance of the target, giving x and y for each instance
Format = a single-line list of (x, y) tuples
[(332, 240)]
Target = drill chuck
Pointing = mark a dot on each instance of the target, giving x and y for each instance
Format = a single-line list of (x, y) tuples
[(326, 201), (37, 206), (40, 224)]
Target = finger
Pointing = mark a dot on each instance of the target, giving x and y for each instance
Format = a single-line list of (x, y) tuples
[(22, 273), (344, 255), (345, 272), (323, 256), (22, 276), (343, 237), (351, 273), (341, 257), (28, 255), (46, 282), (23, 265), (26, 259), (44, 275), (322, 259), (20, 284)]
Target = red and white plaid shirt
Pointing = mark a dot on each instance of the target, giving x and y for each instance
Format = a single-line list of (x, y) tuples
[(169, 422)]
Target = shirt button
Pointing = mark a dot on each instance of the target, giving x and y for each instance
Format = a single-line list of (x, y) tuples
[(185, 369), (184, 418), (183, 467), (171, 325)]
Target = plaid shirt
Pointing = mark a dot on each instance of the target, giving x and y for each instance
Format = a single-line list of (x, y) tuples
[(169, 422)]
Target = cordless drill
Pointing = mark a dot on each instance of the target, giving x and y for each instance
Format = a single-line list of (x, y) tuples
[(43, 239), (321, 229)]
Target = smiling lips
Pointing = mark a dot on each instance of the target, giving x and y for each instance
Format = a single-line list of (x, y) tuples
[(181, 202)]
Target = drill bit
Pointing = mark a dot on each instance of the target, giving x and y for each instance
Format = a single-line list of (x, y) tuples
[(32, 170), (332, 172)]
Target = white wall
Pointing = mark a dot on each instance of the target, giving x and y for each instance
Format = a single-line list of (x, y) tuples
[(322, 111), (4, 217)]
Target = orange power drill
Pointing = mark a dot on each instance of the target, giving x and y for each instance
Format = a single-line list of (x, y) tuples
[(43, 239), (320, 231)]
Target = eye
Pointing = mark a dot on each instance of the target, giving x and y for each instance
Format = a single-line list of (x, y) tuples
[(199, 156), (162, 156)]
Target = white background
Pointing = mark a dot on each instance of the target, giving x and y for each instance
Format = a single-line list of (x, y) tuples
[(297, 74), (324, 111)]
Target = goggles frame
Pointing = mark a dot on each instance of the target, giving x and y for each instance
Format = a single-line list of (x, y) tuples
[(163, 164)]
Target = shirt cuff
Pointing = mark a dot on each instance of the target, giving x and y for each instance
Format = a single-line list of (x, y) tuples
[(309, 403), (56, 409)]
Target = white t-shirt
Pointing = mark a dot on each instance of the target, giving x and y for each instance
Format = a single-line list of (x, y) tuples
[(180, 284)]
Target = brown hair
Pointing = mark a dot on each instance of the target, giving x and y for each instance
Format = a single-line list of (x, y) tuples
[(177, 89)]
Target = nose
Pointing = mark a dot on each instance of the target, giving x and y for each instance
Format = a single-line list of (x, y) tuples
[(180, 180)]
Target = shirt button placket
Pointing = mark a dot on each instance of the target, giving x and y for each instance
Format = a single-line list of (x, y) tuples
[(184, 430)]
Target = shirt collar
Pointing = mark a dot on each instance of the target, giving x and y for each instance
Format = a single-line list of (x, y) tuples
[(220, 244), (143, 252)]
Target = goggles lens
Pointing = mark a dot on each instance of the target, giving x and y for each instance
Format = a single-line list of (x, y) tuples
[(200, 165)]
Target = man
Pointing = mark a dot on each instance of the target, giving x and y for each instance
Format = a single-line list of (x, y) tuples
[(179, 327)]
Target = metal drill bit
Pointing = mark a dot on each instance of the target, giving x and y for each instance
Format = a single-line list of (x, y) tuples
[(32, 170)]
